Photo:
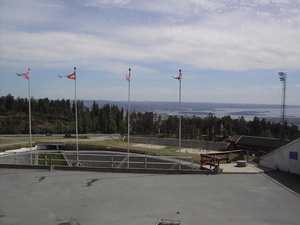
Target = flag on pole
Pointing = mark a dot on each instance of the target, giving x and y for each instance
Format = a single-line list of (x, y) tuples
[(179, 78), (70, 76), (25, 75), (128, 77)]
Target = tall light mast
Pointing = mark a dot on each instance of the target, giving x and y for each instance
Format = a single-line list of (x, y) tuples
[(282, 77)]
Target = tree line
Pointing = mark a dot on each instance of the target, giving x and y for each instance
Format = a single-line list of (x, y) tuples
[(58, 116)]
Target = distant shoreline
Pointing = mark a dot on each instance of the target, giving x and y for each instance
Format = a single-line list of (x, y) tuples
[(202, 109), (201, 105), (147, 106)]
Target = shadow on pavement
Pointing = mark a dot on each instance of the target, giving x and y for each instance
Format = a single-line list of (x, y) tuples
[(289, 180)]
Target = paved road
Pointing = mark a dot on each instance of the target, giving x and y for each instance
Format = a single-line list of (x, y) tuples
[(48, 197)]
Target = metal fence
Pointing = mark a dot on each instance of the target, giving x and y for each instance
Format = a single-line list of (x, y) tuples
[(105, 160)]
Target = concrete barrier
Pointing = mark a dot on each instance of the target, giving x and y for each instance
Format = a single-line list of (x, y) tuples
[(113, 170), (241, 163)]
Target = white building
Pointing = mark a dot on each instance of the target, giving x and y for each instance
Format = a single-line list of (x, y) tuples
[(286, 158)]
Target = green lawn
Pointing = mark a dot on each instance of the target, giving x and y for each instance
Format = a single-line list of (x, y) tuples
[(113, 143), (52, 158)]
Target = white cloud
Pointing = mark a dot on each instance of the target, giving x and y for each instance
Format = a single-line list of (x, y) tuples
[(103, 38), (276, 87), (20, 15), (233, 47), (100, 3), (188, 8), (243, 46), (235, 91), (233, 40)]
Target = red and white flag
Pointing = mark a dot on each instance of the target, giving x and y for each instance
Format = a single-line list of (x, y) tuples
[(128, 77), (70, 76), (179, 78), (25, 75)]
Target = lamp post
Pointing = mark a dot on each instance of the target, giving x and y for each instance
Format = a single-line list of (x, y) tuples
[(282, 77)]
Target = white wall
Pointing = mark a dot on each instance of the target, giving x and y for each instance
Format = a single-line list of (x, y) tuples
[(41, 147), (281, 158)]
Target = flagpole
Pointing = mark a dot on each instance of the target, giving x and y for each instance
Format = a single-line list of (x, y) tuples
[(180, 122), (29, 112), (77, 156), (179, 78), (128, 115)]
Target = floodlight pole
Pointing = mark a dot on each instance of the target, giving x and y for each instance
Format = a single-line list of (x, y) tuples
[(282, 77), (180, 122)]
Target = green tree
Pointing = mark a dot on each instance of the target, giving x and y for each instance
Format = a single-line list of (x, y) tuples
[(10, 103), (266, 133)]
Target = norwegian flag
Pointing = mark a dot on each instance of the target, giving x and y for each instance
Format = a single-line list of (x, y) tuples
[(70, 76), (128, 77), (179, 78), (25, 75)]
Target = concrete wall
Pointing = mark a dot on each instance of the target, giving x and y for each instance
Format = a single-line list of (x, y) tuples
[(286, 158), (47, 147), (41, 147)]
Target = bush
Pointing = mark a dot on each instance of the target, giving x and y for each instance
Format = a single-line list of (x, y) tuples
[(68, 136)]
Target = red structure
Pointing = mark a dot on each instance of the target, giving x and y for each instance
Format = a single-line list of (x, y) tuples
[(213, 159)]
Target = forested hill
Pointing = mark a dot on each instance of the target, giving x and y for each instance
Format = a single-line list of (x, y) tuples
[(58, 116)]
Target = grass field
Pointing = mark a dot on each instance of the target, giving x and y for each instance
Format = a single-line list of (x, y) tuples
[(56, 159), (14, 142)]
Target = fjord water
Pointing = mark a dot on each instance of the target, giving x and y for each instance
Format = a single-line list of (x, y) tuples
[(202, 109)]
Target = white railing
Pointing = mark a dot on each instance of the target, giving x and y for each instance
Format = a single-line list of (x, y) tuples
[(96, 160)]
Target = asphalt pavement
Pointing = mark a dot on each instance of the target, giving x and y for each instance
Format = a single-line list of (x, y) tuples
[(29, 196)]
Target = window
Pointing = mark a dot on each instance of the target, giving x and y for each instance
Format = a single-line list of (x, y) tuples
[(293, 155)]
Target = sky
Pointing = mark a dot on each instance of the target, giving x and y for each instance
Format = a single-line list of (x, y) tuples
[(229, 51)]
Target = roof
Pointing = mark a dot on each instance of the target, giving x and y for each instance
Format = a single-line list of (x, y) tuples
[(257, 141), (235, 138)]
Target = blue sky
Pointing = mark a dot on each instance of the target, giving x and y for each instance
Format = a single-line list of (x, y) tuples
[(229, 51)]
